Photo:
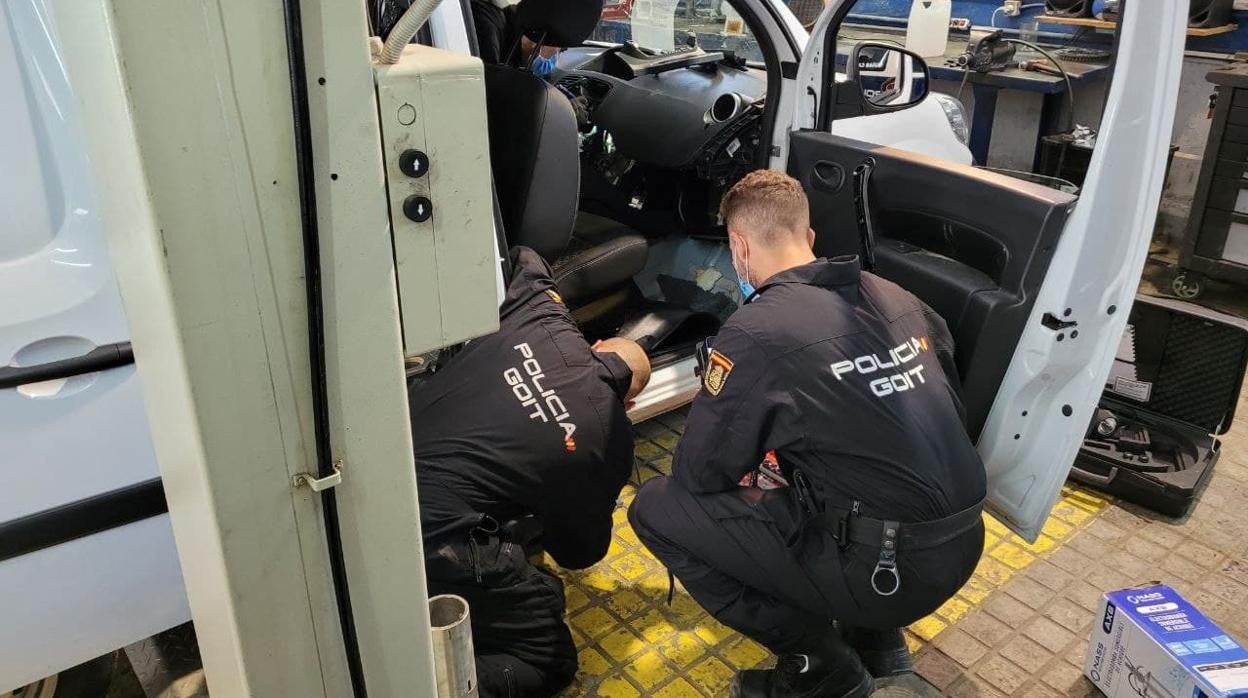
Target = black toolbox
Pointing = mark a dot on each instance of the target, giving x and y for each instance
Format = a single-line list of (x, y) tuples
[(1172, 391)]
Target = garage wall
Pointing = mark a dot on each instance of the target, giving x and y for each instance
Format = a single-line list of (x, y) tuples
[(1014, 135)]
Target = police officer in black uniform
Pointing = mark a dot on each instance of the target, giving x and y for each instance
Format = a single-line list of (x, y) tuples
[(848, 379), (525, 426)]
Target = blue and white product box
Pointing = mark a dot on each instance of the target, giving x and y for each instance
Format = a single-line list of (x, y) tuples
[(1152, 642)]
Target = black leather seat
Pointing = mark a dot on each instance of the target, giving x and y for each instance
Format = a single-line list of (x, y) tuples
[(602, 256), (536, 160)]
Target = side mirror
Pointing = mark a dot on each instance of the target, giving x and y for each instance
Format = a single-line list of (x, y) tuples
[(887, 78)]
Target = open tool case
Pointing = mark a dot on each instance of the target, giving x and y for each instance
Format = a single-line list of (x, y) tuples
[(1172, 391)]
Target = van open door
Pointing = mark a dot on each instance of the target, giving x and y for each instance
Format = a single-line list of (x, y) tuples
[(1035, 283)]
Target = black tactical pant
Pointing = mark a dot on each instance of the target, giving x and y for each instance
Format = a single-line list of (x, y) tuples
[(744, 557), (523, 648)]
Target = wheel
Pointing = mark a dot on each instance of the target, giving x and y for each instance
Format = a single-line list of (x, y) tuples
[(1188, 285), (87, 680)]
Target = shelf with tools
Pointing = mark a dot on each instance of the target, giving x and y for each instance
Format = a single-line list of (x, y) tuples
[(1101, 24)]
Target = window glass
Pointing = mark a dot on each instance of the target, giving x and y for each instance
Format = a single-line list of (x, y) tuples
[(668, 25)]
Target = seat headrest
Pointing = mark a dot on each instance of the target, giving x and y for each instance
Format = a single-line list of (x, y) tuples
[(535, 157), (558, 23)]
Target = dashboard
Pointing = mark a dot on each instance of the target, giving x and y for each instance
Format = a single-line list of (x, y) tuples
[(683, 110)]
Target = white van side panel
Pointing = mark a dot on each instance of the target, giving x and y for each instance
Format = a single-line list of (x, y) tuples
[(70, 439), (70, 603)]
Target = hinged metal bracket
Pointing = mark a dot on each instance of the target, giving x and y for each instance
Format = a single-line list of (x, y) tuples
[(319, 484), (1055, 323)]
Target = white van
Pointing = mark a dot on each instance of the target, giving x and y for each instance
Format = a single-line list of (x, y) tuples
[(1034, 288)]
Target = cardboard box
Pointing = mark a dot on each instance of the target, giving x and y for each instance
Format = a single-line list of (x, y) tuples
[(1152, 642)]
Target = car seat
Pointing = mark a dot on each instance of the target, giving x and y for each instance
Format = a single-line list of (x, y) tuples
[(534, 152)]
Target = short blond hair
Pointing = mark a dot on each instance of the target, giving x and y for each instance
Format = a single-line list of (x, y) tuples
[(767, 205)]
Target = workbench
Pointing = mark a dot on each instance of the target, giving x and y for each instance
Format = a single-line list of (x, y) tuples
[(987, 86)]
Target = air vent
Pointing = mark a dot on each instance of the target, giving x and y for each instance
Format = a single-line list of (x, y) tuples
[(593, 88)]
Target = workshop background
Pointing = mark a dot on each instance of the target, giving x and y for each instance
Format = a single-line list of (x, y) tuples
[(1020, 626), (1015, 130)]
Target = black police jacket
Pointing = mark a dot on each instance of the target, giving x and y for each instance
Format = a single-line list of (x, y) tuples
[(846, 377), (528, 420), (497, 34)]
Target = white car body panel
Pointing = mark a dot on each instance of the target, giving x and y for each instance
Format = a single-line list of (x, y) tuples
[(76, 601), (1097, 265), (69, 439), (923, 128)]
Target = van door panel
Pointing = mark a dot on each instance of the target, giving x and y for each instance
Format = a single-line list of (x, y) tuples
[(972, 244)]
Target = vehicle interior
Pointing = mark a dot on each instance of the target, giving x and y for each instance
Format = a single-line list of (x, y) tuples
[(613, 171), (973, 244), (614, 174)]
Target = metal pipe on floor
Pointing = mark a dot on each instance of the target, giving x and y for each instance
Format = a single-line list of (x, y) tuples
[(455, 670)]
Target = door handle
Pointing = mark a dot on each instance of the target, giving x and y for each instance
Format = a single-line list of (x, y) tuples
[(866, 214), (827, 177), (1093, 478), (101, 358)]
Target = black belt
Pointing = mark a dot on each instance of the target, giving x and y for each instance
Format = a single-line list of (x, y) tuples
[(848, 526)]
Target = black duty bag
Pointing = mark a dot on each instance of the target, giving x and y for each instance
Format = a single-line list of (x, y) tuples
[(1172, 391)]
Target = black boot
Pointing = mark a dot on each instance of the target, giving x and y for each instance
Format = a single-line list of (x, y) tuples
[(830, 670), (884, 652)]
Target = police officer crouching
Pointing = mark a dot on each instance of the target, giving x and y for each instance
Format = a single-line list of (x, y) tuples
[(848, 379), (523, 435)]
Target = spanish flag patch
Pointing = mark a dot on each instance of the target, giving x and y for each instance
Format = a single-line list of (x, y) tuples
[(718, 367)]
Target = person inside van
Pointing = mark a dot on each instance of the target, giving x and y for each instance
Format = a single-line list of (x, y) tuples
[(523, 437), (501, 41)]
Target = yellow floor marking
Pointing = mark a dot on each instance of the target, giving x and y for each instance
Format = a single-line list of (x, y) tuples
[(626, 603), (712, 676), (649, 670), (621, 643), (993, 571), (745, 654), (617, 687), (1011, 555), (593, 623), (954, 610), (680, 688), (593, 663), (990, 540), (976, 590), (1055, 528), (684, 648), (928, 628)]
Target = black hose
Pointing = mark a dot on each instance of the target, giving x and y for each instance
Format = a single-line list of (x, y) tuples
[(316, 331), (1070, 90)]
